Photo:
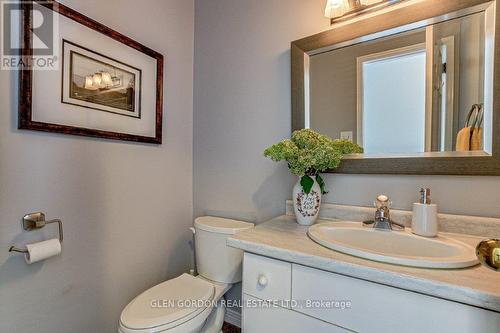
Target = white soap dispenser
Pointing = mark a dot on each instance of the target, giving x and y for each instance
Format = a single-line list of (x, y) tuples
[(425, 216)]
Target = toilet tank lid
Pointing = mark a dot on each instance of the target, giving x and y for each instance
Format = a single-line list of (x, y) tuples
[(221, 225)]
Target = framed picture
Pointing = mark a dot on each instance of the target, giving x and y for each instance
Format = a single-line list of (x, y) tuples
[(95, 81), (104, 84)]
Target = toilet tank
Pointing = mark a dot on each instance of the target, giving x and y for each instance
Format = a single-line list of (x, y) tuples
[(214, 259)]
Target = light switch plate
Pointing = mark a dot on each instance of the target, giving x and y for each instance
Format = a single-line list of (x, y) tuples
[(347, 135)]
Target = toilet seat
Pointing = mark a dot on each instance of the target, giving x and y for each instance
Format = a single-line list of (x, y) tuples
[(169, 304)]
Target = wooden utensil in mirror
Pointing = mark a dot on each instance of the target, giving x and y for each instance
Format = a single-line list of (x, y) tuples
[(488, 253)]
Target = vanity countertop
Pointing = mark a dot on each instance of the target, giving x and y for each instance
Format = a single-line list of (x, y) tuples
[(282, 238)]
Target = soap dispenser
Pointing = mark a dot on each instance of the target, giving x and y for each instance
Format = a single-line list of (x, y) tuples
[(425, 215)]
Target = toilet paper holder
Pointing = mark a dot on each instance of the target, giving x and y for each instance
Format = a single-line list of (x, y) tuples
[(35, 221)]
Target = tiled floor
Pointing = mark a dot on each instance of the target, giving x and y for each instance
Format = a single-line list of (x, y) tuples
[(228, 328)]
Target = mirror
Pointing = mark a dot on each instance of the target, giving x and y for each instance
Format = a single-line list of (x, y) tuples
[(374, 93), (418, 90)]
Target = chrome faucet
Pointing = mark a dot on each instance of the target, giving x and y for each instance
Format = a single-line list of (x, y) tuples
[(382, 219)]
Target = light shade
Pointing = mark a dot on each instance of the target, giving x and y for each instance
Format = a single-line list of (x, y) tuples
[(369, 2), (106, 79), (336, 8), (97, 80), (89, 83)]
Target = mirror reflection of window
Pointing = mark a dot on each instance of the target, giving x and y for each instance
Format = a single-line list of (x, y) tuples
[(409, 92), (391, 113)]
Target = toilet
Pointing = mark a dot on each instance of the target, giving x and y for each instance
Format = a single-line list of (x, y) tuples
[(191, 304)]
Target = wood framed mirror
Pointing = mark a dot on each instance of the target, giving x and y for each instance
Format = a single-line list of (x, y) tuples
[(417, 85)]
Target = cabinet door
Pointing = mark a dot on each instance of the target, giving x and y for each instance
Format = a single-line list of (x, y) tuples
[(266, 278), (377, 308), (263, 319)]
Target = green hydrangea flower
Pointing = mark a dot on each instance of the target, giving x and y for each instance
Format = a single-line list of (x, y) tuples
[(308, 153)]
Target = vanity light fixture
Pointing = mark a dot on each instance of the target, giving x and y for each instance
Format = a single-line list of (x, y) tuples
[(338, 10)]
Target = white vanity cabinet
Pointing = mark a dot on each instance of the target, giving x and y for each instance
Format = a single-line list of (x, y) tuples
[(303, 299)]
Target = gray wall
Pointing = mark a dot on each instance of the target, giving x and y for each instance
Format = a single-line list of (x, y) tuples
[(242, 105), (242, 102), (126, 207)]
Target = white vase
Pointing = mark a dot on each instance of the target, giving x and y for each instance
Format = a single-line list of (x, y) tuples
[(306, 206)]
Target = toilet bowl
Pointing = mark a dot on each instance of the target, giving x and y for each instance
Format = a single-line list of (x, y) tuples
[(191, 304)]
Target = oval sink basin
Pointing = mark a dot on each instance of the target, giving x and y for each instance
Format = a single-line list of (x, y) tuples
[(394, 247)]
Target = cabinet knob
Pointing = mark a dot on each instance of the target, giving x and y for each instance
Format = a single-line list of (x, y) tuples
[(262, 280)]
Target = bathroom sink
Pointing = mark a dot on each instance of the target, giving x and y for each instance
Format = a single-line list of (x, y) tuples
[(394, 247)]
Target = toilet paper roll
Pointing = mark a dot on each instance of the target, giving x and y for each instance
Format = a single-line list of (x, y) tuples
[(42, 250)]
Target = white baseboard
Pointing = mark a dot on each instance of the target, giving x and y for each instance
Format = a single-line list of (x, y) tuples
[(233, 317)]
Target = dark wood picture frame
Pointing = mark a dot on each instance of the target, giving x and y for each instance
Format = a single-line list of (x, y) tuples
[(421, 11), (26, 121)]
